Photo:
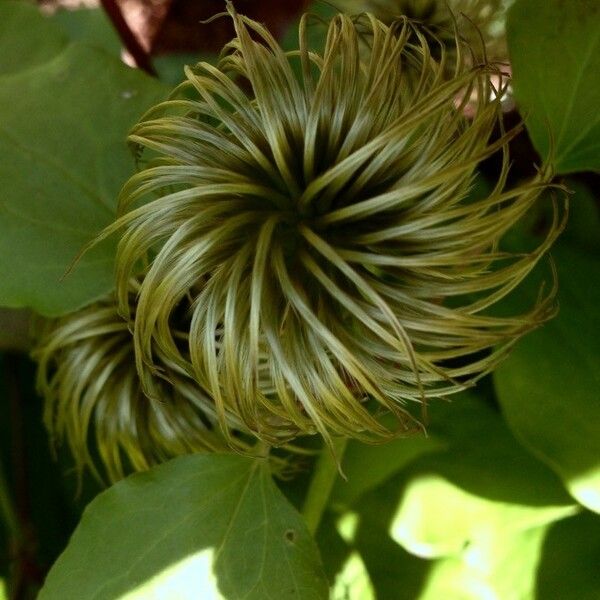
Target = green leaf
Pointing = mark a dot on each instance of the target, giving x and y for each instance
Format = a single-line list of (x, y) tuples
[(454, 426), (548, 387), (474, 494), (394, 573), (63, 126), (484, 484), (334, 549), (365, 467), (352, 582), (569, 563), (89, 25), (3, 591), (170, 67), (437, 518), (391, 573), (583, 228), (501, 566), (26, 38), (201, 526), (552, 562), (555, 55)]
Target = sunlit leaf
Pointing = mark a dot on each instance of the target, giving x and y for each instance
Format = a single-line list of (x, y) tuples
[(353, 582), (205, 526), (549, 386), (484, 484), (475, 501), (499, 567), (555, 55), (554, 561), (437, 518)]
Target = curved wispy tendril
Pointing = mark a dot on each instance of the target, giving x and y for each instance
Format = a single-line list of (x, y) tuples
[(88, 378), (316, 211)]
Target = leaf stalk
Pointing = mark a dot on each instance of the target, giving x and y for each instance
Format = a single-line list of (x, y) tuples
[(319, 491)]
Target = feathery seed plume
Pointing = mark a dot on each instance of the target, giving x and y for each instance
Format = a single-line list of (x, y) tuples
[(314, 213), (88, 378)]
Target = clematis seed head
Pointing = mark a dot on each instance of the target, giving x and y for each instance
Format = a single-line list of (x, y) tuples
[(87, 375), (314, 212), (479, 20)]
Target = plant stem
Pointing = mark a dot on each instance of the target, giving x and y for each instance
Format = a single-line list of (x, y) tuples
[(262, 449), (139, 55), (326, 471)]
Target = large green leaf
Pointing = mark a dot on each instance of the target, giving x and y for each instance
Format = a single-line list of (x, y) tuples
[(26, 38), (555, 561), (475, 498), (395, 574), (555, 54), (89, 25), (365, 466), (483, 484), (549, 387), (391, 573), (63, 125), (436, 517), (500, 565), (203, 526), (462, 430), (471, 499)]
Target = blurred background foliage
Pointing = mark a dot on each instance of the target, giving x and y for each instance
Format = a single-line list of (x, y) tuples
[(500, 500)]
